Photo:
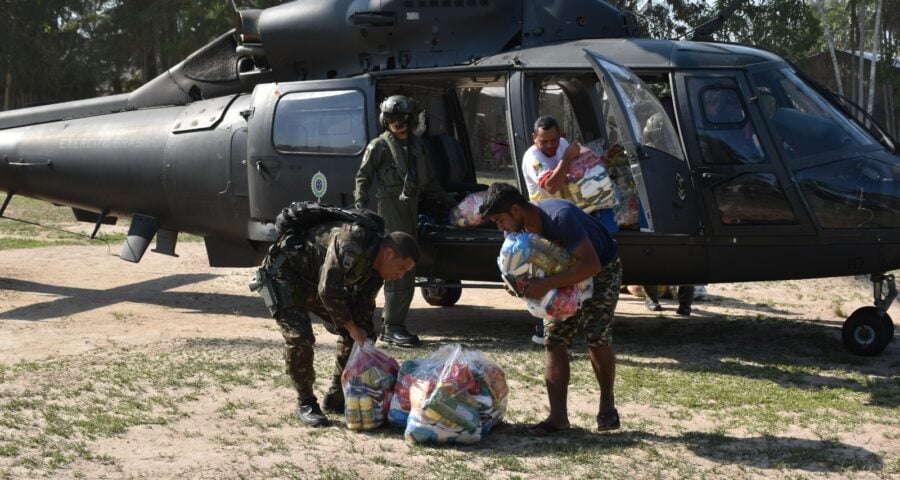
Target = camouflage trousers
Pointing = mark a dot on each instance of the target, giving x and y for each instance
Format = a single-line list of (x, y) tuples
[(296, 328), (596, 313)]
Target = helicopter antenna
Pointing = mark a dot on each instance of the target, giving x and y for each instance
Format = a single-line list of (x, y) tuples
[(704, 32), (234, 4)]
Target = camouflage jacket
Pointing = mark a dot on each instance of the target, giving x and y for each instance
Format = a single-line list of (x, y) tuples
[(393, 176), (330, 264)]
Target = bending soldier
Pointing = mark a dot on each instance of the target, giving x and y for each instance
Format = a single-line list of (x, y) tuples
[(397, 164), (334, 271)]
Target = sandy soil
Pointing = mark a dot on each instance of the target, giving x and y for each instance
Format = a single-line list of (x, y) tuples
[(69, 301)]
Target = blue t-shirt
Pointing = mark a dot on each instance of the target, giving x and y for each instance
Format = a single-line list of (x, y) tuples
[(564, 223)]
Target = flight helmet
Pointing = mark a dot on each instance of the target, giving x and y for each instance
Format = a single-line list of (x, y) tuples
[(398, 106)]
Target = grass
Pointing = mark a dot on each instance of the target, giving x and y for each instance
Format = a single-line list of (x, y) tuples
[(52, 412), (46, 225), (748, 395)]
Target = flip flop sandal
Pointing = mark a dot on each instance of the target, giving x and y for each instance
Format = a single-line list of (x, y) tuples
[(608, 420), (544, 429)]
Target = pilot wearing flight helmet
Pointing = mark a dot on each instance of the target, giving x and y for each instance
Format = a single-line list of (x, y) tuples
[(397, 164)]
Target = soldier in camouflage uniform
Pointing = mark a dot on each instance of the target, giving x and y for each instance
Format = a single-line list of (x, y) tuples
[(596, 255), (397, 164), (333, 271)]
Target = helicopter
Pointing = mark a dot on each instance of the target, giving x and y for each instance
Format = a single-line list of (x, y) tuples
[(743, 168)]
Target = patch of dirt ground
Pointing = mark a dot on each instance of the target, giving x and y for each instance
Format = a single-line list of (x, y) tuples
[(73, 302)]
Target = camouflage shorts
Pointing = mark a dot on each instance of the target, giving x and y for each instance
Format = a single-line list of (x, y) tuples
[(596, 313)]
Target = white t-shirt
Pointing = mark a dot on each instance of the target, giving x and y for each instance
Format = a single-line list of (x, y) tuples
[(535, 164)]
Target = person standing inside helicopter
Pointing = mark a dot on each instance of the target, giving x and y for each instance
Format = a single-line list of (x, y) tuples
[(397, 164)]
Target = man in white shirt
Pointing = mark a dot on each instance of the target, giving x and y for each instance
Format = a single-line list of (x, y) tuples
[(546, 164)]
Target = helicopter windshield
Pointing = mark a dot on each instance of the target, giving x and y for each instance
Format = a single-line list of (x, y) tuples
[(804, 123)]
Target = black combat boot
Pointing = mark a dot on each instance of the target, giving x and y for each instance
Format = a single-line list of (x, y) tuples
[(334, 398), (685, 298), (308, 412), (398, 335)]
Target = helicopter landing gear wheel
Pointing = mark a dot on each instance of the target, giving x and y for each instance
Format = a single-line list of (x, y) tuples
[(441, 296), (869, 329), (866, 332)]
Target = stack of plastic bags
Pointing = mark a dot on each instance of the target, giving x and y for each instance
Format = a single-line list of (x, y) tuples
[(527, 255), (451, 396), (616, 162), (589, 186), (368, 383), (466, 213)]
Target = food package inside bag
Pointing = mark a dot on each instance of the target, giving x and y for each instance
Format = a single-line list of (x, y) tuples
[(523, 253), (628, 209), (415, 380), (490, 390), (590, 186), (528, 255), (560, 303), (466, 213), (453, 396), (368, 383)]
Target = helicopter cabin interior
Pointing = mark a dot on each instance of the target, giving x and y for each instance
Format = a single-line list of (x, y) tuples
[(478, 126)]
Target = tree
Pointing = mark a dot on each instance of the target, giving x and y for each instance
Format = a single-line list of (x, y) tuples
[(56, 50), (786, 27), (876, 50), (830, 40), (45, 56), (666, 18)]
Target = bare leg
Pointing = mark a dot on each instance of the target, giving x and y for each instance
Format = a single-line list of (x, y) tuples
[(604, 362), (556, 377)]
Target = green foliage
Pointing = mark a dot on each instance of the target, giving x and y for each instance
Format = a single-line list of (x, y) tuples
[(58, 50), (789, 28)]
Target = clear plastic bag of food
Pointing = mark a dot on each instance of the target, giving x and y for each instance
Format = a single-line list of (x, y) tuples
[(590, 186), (527, 255), (466, 213), (368, 383), (453, 397)]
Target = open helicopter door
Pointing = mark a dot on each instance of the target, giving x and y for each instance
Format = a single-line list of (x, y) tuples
[(306, 141), (645, 131)]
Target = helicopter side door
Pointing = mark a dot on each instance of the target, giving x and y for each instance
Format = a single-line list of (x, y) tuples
[(306, 141), (649, 139), (668, 245)]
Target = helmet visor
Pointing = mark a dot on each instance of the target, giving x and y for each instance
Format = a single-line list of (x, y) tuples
[(399, 120)]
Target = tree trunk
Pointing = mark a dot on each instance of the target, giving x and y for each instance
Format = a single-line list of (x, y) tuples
[(860, 75), (889, 120), (891, 107), (830, 40), (875, 52), (6, 90)]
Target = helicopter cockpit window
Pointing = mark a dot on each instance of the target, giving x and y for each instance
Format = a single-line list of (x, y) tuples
[(804, 123), (725, 132), (753, 199), (320, 122), (713, 102)]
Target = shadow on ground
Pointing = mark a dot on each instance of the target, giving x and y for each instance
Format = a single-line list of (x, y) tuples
[(157, 291), (791, 353), (767, 452)]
